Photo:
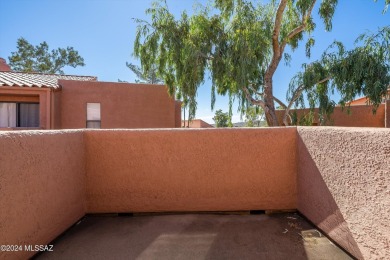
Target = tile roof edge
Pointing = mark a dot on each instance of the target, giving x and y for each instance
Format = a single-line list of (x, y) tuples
[(50, 74)]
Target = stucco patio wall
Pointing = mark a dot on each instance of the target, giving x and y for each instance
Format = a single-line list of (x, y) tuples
[(42, 187), (387, 114), (344, 186), (190, 170), (337, 177)]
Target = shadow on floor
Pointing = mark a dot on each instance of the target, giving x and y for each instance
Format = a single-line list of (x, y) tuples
[(192, 236)]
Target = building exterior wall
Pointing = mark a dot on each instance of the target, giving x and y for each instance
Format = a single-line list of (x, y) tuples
[(56, 110), (190, 170), (359, 101), (343, 186), (123, 105), (3, 65), (42, 185), (359, 116), (26, 94), (387, 114), (197, 123)]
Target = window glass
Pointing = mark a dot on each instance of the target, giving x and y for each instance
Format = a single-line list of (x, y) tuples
[(28, 115), (7, 114), (93, 115), (93, 111), (93, 124)]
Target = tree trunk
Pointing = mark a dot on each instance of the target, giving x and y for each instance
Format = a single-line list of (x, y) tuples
[(269, 111)]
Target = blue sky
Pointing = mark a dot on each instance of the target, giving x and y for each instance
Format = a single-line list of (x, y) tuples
[(103, 32)]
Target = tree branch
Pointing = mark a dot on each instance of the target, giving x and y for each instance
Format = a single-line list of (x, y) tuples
[(280, 102), (258, 93), (254, 101), (299, 28), (296, 95), (278, 23), (275, 98)]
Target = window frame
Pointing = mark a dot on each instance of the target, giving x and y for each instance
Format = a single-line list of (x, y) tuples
[(93, 121), (18, 117)]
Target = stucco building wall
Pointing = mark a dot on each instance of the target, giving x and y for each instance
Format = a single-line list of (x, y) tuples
[(343, 186), (56, 110), (196, 123), (359, 116), (387, 113), (42, 184), (123, 105), (190, 170)]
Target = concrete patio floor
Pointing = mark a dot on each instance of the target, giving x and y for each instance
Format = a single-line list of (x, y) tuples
[(194, 236)]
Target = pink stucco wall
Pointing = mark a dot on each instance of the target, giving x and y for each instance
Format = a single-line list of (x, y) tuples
[(190, 170), (387, 114), (196, 123), (42, 187), (359, 116), (343, 186), (123, 105), (337, 177)]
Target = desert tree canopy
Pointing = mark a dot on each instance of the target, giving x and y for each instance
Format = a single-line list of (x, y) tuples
[(241, 44), (30, 58)]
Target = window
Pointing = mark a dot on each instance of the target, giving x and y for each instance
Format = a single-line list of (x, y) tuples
[(19, 114), (93, 115)]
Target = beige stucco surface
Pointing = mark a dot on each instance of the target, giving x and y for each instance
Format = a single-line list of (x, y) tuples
[(42, 186), (344, 186), (190, 170)]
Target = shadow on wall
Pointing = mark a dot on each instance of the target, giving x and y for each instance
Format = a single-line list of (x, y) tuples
[(316, 202)]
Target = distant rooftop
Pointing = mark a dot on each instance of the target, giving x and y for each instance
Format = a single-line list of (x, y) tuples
[(22, 79)]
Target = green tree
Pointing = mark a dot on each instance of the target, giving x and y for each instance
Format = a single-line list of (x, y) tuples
[(221, 119), (253, 116), (29, 58), (149, 77), (363, 70), (242, 44)]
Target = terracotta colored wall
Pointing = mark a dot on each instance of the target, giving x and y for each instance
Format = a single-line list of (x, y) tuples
[(360, 116), (56, 110), (337, 177), (387, 114), (42, 184), (3, 65), (190, 170), (123, 105), (197, 123), (343, 186)]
